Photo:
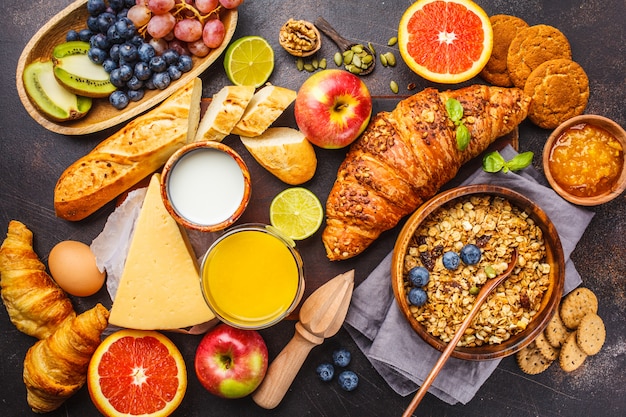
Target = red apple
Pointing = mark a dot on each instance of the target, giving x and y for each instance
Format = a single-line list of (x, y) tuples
[(333, 107), (231, 362)]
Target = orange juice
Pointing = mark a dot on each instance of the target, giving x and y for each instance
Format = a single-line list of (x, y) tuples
[(251, 277)]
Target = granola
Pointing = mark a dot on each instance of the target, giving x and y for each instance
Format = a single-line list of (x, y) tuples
[(496, 226)]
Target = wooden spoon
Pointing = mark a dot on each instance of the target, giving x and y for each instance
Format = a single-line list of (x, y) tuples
[(344, 44), (321, 316), (480, 299)]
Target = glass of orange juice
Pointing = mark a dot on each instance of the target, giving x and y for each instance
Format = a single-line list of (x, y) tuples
[(252, 277)]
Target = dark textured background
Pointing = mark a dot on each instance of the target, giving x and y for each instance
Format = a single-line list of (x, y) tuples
[(32, 158)]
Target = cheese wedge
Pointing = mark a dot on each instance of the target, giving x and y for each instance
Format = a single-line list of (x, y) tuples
[(160, 286)]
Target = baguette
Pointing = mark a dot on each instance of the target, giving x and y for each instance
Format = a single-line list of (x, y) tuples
[(285, 152), (129, 155), (264, 108), (226, 109)]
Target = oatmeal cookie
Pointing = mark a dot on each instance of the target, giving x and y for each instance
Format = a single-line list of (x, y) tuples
[(505, 27)]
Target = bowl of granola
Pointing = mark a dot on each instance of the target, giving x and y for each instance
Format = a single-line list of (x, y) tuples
[(457, 241)]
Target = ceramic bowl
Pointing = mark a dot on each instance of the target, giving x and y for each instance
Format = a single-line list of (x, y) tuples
[(554, 257), (205, 186), (572, 191)]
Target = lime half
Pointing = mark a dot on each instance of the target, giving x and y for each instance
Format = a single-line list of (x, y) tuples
[(249, 61), (296, 212)]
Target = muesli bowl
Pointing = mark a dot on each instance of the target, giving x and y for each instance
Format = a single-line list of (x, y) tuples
[(495, 220)]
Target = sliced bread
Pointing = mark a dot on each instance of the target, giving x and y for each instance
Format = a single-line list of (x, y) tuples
[(225, 110), (264, 108), (285, 152)]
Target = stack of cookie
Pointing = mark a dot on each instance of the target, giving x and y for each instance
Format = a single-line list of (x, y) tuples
[(537, 59), (573, 334)]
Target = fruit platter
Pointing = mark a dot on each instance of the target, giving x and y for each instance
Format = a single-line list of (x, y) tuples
[(101, 114), (280, 223)]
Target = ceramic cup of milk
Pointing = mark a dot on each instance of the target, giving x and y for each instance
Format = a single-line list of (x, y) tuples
[(205, 186)]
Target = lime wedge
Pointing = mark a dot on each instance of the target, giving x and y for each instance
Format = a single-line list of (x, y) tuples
[(296, 212), (249, 61)]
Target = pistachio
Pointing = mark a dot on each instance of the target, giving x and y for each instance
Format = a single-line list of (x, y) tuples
[(394, 87), (392, 41)]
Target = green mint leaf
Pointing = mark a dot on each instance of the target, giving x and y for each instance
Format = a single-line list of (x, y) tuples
[(520, 161), (462, 137), (454, 109), (493, 162)]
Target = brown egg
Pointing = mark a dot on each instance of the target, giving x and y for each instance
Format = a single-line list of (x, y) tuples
[(73, 267)]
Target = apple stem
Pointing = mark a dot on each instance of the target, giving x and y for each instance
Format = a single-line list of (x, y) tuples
[(227, 361)]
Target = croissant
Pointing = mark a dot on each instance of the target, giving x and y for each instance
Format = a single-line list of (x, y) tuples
[(405, 156), (56, 368), (36, 305)]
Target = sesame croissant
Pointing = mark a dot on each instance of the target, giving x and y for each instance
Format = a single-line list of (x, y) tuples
[(36, 305), (406, 155)]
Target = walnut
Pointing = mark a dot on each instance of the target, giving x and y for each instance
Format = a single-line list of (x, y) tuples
[(299, 38)]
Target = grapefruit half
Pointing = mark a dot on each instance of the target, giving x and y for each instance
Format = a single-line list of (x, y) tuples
[(137, 373), (445, 41)]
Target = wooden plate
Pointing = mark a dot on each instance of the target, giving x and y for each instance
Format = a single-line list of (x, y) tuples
[(554, 257), (102, 115)]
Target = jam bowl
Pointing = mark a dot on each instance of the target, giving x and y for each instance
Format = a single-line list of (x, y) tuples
[(583, 160)]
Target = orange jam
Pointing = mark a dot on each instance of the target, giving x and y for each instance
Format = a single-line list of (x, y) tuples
[(586, 160)]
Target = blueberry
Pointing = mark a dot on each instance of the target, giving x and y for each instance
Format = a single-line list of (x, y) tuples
[(136, 40), (92, 24), (128, 52), (95, 7), (109, 65), (142, 71), (99, 40), (126, 72), (417, 296), (348, 380), (105, 20), (116, 78), (419, 276), (125, 27), (470, 254), (325, 371), (161, 80), (185, 63), (146, 52), (134, 83), (118, 99), (72, 35), (171, 56), (114, 52), (157, 64), (341, 357), (149, 84), (97, 55), (174, 72), (129, 3), (135, 95), (114, 35), (451, 260), (85, 35), (117, 5)]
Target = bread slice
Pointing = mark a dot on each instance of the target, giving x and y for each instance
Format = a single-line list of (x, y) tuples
[(265, 107), (223, 113), (285, 152), (129, 155)]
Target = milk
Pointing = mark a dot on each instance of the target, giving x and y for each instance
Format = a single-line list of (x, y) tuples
[(206, 186)]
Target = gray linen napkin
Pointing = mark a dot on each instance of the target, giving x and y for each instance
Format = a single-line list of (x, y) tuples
[(395, 350)]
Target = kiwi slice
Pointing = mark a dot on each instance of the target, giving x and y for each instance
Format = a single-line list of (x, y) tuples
[(51, 98), (74, 70)]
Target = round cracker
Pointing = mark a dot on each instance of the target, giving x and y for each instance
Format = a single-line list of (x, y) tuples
[(531, 47), (546, 348), (531, 361), (571, 357), (556, 333), (576, 305), (591, 334), (559, 89), (504, 27)]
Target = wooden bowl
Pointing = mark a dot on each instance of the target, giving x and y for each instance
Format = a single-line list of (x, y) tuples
[(616, 188), (102, 115), (554, 257)]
